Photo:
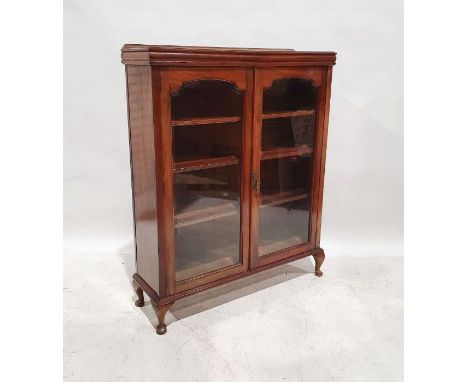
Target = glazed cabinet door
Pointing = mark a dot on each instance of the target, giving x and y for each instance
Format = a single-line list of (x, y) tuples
[(206, 148), (288, 115)]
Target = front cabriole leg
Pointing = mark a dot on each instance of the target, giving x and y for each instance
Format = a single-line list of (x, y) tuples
[(161, 310), (319, 258)]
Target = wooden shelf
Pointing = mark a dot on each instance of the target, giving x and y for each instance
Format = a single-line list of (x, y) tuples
[(282, 152), (286, 114), (202, 164), (205, 121), (201, 215), (200, 268), (283, 197), (266, 248)]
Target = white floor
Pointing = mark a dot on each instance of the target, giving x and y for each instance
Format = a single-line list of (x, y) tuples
[(280, 325)]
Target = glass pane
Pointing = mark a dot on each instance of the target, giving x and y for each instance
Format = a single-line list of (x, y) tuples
[(207, 98), (287, 142), (288, 132), (207, 178), (289, 94), (206, 141), (285, 203)]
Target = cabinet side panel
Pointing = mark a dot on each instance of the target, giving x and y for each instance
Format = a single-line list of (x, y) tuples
[(323, 151), (140, 109)]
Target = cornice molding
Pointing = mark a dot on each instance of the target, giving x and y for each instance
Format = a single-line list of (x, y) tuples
[(161, 55)]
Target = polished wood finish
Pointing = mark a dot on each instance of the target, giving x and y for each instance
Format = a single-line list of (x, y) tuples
[(153, 295), (142, 161), (141, 299), (176, 77), (157, 73), (161, 310), (320, 173), (285, 114), (319, 257), (284, 152), (204, 121), (158, 55)]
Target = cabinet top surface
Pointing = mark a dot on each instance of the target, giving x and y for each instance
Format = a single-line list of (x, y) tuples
[(169, 55)]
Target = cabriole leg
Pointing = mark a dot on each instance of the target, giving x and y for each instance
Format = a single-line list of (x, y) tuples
[(161, 311), (319, 258), (141, 299)]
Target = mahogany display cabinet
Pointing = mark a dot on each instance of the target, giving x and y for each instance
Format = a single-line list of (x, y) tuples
[(227, 150)]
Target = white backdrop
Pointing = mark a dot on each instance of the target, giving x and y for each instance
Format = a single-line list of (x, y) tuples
[(363, 202)]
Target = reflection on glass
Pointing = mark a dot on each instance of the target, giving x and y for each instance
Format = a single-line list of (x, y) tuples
[(288, 131), (207, 177)]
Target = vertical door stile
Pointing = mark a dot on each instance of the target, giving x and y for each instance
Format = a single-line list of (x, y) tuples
[(246, 168), (256, 149)]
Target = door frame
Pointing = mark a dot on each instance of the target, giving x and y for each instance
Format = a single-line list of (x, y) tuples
[(263, 79), (166, 81)]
